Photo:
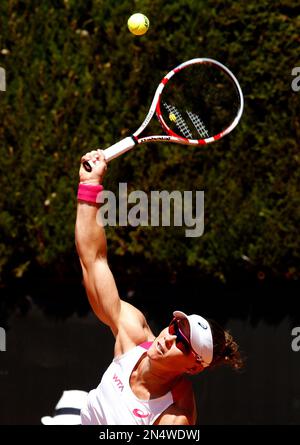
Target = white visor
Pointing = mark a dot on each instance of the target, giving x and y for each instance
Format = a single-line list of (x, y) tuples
[(200, 336)]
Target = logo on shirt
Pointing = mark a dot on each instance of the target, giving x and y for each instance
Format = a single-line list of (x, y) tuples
[(118, 382), (139, 413)]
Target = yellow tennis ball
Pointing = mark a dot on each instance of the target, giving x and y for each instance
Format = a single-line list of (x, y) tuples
[(138, 24)]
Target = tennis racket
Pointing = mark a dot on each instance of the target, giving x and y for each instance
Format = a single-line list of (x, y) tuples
[(196, 103)]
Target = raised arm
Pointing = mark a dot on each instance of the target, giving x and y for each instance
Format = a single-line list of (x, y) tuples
[(126, 322)]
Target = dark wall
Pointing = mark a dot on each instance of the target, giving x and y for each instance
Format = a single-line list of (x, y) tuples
[(45, 357)]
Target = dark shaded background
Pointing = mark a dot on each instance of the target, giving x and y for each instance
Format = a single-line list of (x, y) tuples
[(49, 351)]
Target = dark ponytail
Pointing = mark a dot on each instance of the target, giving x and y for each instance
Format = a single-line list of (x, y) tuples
[(226, 350)]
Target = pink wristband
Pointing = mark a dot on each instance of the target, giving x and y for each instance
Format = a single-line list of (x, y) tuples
[(88, 192)]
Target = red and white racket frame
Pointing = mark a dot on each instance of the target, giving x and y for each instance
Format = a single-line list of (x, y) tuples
[(129, 142)]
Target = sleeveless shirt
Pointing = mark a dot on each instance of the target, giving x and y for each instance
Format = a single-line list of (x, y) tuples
[(113, 401)]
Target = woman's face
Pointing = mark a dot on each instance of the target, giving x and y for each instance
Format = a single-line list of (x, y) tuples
[(172, 350)]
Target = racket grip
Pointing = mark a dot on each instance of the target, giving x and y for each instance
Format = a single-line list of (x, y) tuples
[(119, 148), (113, 152)]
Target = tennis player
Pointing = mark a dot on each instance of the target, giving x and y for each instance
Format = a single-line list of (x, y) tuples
[(147, 382)]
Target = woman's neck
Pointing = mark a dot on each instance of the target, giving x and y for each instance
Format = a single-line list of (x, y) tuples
[(148, 381)]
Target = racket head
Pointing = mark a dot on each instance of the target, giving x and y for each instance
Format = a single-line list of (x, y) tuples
[(198, 102), (203, 93)]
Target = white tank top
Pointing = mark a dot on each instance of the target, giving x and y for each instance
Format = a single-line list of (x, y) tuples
[(114, 403)]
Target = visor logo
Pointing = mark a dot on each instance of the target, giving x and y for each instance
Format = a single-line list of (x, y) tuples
[(204, 326)]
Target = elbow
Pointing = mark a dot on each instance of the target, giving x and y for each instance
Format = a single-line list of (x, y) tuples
[(88, 254), (88, 259)]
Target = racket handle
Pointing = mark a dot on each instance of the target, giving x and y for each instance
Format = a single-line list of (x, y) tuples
[(113, 152)]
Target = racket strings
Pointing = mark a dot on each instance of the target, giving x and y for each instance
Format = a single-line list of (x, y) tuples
[(200, 101), (176, 117), (198, 124)]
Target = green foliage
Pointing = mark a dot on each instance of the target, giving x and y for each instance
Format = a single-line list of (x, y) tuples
[(77, 79)]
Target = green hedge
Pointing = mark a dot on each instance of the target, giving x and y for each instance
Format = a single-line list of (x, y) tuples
[(76, 79)]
